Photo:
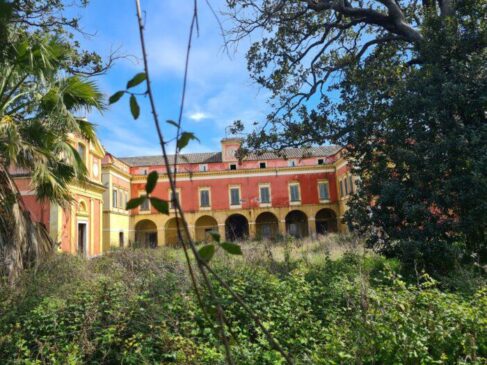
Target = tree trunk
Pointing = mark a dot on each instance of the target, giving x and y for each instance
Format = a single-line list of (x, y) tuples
[(23, 243)]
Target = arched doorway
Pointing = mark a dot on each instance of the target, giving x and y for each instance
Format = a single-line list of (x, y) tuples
[(326, 221), (297, 224), (171, 236), (146, 234), (267, 225), (204, 226), (236, 227)]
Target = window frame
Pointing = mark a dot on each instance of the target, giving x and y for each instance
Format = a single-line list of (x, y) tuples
[(262, 163), (321, 161), (294, 202), (230, 188), (203, 167), (201, 189), (83, 155), (292, 162), (147, 201), (261, 203), (327, 183), (114, 198), (230, 166), (178, 192)]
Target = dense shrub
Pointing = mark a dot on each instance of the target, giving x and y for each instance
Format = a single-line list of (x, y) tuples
[(138, 306)]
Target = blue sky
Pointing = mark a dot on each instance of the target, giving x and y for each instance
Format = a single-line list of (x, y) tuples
[(219, 88)]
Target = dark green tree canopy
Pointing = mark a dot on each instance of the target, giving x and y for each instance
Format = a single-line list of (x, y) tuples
[(403, 86)]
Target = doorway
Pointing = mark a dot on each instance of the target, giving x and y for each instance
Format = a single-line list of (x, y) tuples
[(82, 239)]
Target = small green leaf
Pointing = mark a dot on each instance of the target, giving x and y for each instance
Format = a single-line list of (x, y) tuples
[(116, 97), (215, 236), (185, 138), (134, 203), (173, 123), (231, 248), (134, 107), (151, 182), (160, 205), (207, 252), (137, 79)]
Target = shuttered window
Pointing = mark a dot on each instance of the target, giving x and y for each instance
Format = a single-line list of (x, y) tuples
[(204, 198), (265, 196), (234, 196), (323, 191), (294, 193)]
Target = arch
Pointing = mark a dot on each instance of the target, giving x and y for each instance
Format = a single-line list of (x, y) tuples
[(82, 207), (297, 224), (203, 226), (171, 236), (267, 225), (326, 221), (146, 234), (236, 227)]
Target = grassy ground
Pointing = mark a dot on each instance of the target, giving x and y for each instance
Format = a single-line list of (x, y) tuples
[(326, 301)]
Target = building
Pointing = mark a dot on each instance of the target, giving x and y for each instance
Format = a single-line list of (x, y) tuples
[(301, 193)]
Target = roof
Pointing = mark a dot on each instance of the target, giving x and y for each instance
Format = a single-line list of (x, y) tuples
[(209, 157)]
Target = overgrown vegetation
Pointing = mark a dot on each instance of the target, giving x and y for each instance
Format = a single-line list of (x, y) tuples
[(138, 306)]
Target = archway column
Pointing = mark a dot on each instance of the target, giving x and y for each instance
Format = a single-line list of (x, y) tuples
[(282, 227), (312, 227), (252, 230), (161, 239)]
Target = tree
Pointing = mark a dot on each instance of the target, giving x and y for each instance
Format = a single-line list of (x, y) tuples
[(39, 101), (408, 98)]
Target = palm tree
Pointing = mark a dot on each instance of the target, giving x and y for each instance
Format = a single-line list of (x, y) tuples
[(38, 106)]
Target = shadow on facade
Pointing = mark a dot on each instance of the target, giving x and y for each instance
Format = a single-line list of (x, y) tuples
[(145, 234), (236, 227), (204, 226), (267, 225), (297, 224), (326, 221)]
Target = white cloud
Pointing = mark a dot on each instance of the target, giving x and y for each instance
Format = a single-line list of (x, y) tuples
[(198, 116)]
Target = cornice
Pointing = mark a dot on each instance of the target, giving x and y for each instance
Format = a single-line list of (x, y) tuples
[(287, 170)]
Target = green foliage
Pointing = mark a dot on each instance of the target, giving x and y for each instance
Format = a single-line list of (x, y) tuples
[(136, 80), (408, 106), (161, 205), (138, 307), (134, 107), (151, 182)]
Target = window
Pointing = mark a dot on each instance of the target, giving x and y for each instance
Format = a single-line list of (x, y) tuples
[(345, 185), (323, 190), (174, 197), (145, 206), (262, 165), (233, 166), (114, 198), (120, 239), (143, 171), (350, 183), (126, 199), (121, 201), (292, 163), (204, 198), (235, 196), (265, 194), (341, 188), (294, 193), (203, 167), (321, 161), (82, 151)]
